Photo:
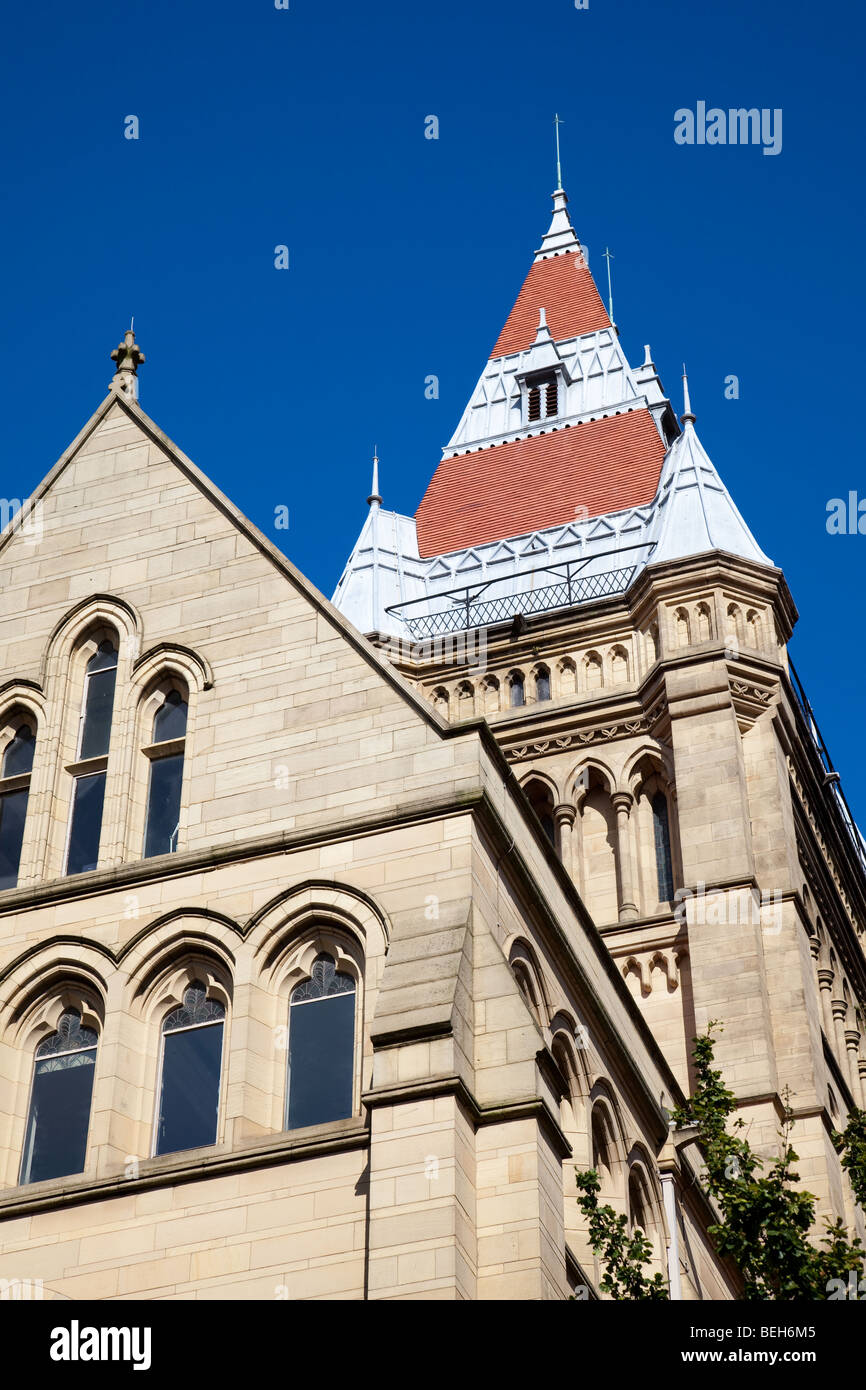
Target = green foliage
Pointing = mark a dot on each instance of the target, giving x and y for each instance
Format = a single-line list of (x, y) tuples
[(623, 1255), (766, 1221), (851, 1146)]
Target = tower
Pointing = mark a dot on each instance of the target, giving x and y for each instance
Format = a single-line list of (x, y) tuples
[(578, 575)]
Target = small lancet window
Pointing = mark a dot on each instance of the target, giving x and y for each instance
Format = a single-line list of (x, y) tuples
[(58, 1118), (165, 783), (99, 685), (542, 684), (518, 695), (94, 737), (189, 1092), (17, 763), (321, 1046), (662, 834)]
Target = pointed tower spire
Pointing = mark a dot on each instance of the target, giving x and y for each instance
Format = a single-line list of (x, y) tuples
[(374, 500), (128, 358), (560, 235), (688, 417), (694, 512)]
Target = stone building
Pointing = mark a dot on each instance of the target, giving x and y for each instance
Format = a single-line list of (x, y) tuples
[(334, 937)]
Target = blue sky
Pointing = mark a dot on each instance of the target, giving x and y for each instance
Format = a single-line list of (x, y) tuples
[(261, 127)]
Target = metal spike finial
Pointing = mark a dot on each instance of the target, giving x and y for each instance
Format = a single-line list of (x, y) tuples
[(688, 416), (609, 256), (557, 122), (374, 497)]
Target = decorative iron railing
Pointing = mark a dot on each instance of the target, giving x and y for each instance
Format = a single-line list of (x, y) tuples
[(474, 606)]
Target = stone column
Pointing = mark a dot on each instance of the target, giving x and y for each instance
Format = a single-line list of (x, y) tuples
[(825, 986), (564, 817), (622, 804), (852, 1042), (840, 1009), (577, 839)]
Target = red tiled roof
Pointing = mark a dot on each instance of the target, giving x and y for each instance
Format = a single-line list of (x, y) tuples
[(563, 286), (528, 484)]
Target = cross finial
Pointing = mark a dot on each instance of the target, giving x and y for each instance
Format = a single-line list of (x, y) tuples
[(557, 122), (128, 357)]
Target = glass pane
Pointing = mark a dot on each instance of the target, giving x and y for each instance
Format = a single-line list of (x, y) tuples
[(517, 692), (70, 1036), (190, 1089), (104, 657), (13, 811), (98, 707), (87, 801), (321, 1060), (543, 686), (18, 757), (163, 805), (664, 866), (196, 1008), (170, 719), (56, 1140)]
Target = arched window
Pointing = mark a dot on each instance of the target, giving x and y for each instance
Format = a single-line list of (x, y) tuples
[(640, 1206), (542, 683), (166, 754), (662, 833), (58, 1119), (518, 696), (321, 1046), (594, 672), (189, 1090), (94, 736), (15, 771), (541, 800)]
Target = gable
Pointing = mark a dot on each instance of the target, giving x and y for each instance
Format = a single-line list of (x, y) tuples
[(302, 720)]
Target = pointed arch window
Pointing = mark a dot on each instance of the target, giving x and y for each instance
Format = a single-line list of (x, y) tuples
[(662, 834), (58, 1117), (15, 771), (321, 1046), (542, 683), (165, 783), (89, 771), (189, 1089), (517, 691)]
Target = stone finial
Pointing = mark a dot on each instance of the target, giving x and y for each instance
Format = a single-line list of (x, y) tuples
[(128, 357)]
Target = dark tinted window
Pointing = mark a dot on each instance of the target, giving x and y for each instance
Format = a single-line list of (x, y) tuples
[(321, 1047), (170, 719), (542, 685), (664, 867), (87, 803), (163, 805), (59, 1117), (191, 1064), (517, 691), (13, 810), (18, 758), (98, 702)]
